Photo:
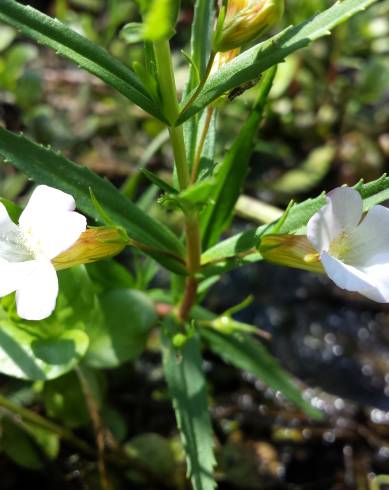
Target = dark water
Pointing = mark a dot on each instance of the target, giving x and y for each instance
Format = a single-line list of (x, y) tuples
[(327, 337)]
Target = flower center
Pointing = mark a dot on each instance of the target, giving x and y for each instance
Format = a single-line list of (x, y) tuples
[(340, 247), (31, 244)]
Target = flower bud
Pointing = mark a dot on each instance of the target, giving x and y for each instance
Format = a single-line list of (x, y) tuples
[(291, 251), (93, 245), (222, 58), (246, 20)]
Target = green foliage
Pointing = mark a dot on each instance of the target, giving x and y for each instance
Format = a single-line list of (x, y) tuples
[(156, 453), (52, 347), (199, 56), (19, 447), (243, 352), (231, 173), (105, 313), (160, 20), (128, 317), (241, 248), (250, 64), (78, 49), (188, 390), (47, 167), (65, 401)]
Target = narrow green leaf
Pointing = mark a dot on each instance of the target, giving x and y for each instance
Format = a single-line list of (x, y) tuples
[(188, 389), (232, 172), (68, 43), (245, 353), (200, 53), (241, 248), (207, 160), (46, 167), (201, 37), (162, 184), (250, 64)]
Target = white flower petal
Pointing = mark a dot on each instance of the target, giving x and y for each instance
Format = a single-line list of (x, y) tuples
[(379, 274), (11, 248), (58, 234), (45, 201), (49, 224), (342, 213), (14, 275), (36, 298), (352, 279), (370, 240)]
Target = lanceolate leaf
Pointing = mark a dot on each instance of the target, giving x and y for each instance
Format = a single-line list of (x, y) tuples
[(245, 353), (78, 49), (254, 61), (241, 248), (47, 167), (188, 389), (201, 36), (200, 52), (232, 172)]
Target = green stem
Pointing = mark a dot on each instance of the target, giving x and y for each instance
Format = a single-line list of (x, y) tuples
[(201, 84), (168, 91), (32, 417)]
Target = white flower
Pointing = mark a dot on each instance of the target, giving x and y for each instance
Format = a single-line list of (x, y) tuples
[(47, 226), (354, 250)]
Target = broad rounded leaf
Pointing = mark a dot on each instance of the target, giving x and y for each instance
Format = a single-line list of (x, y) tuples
[(129, 316)]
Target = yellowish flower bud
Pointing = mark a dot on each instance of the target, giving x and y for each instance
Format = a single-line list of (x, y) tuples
[(93, 245), (246, 20), (222, 58), (291, 251)]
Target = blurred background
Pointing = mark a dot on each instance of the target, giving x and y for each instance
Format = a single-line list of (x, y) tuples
[(327, 124)]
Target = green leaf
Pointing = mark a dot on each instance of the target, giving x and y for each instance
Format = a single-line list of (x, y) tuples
[(198, 193), (109, 274), (12, 209), (162, 184), (201, 38), (241, 249), (207, 160), (129, 316), (46, 167), (232, 172), (188, 389), (161, 19), (200, 52), (64, 400), (78, 49), (245, 353), (49, 348), (156, 453), (19, 447), (250, 64)]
